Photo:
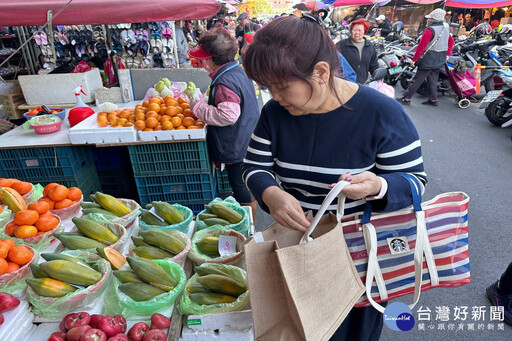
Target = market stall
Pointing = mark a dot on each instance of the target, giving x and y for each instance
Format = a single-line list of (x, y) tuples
[(167, 221)]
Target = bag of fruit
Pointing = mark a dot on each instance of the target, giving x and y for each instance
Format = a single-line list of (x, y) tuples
[(15, 266), (205, 292), (208, 216), (56, 298), (205, 247), (5, 216), (142, 299)]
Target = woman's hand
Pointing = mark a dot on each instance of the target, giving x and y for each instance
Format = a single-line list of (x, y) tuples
[(362, 185), (285, 209)]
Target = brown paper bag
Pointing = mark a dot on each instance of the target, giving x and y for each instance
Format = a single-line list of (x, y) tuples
[(301, 289)]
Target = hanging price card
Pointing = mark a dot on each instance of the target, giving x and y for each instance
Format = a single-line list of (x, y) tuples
[(227, 245)]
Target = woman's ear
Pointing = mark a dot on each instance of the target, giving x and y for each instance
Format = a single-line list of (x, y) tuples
[(322, 71)]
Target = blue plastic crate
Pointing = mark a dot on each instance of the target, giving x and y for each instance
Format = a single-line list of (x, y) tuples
[(182, 189), (164, 159), (196, 208), (110, 158), (223, 185), (114, 183), (45, 163), (86, 179)]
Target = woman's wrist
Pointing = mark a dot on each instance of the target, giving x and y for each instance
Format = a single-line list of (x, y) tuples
[(382, 192)]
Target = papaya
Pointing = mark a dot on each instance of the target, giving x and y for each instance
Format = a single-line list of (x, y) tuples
[(150, 219), (151, 252), (93, 198), (209, 298), (196, 287), (12, 199), (69, 272), (54, 256), (222, 284), (126, 276), (74, 241), (86, 205), (226, 213), (208, 209), (216, 221), (95, 230), (139, 291), (112, 204), (209, 246), (111, 255), (50, 287), (211, 269), (152, 273), (163, 240), (36, 270), (139, 241), (168, 212), (203, 216)]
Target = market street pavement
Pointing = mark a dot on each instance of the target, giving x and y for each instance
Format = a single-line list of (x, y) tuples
[(462, 151)]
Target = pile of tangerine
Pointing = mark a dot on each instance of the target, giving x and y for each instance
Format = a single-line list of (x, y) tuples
[(156, 114)]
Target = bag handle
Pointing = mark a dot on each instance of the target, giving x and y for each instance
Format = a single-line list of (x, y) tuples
[(333, 193), (422, 246)]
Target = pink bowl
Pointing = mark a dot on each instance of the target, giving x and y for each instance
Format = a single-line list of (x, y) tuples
[(48, 129)]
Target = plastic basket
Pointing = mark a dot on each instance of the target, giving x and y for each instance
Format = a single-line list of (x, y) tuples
[(48, 128), (51, 164), (223, 185), (164, 159), (86, 179), (110, 158), (183, 189)]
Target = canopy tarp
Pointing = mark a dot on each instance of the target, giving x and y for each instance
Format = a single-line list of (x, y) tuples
[(478, 3), (33, 12)]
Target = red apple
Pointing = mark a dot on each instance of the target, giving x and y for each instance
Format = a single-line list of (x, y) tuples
[(137, 331), (77, 320), (74, 334), (58, 336), (155, 335), (159, 321), (93, 335)]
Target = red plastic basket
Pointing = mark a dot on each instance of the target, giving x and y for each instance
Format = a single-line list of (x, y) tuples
[(48, 129)]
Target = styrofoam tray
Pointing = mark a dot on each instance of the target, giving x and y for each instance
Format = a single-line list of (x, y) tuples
[(17, 322), (171, 135), (89, 132), (236, 319)]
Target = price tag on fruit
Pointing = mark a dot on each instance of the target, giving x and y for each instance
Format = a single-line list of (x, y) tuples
[(152, 210), (227, 245)]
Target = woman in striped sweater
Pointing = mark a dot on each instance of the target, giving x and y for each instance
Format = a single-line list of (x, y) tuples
[(320, 129)]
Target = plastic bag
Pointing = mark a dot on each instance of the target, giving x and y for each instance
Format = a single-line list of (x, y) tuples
[(34, 195), (68, 212), (117, 303), (81, 67), (81, 299), (39, 242), (181, 227), (188, 307), (5, 216), (182, 237), (116, 229), (6, 88), (14, 282), (242, 227), (382, 87), (126, 220), (214, 231)]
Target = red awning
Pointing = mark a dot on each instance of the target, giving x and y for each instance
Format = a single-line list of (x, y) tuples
[(478, 3), (33, 12)]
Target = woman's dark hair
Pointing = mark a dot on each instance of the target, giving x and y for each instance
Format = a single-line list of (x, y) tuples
[(220, 44), (288, 49)]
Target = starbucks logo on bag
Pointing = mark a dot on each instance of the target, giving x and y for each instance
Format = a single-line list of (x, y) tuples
[(398, 245)]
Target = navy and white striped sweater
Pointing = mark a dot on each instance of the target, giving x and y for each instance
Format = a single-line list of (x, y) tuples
[(304, 154)]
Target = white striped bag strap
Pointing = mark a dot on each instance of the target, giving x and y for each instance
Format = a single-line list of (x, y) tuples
[(422, 247)]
